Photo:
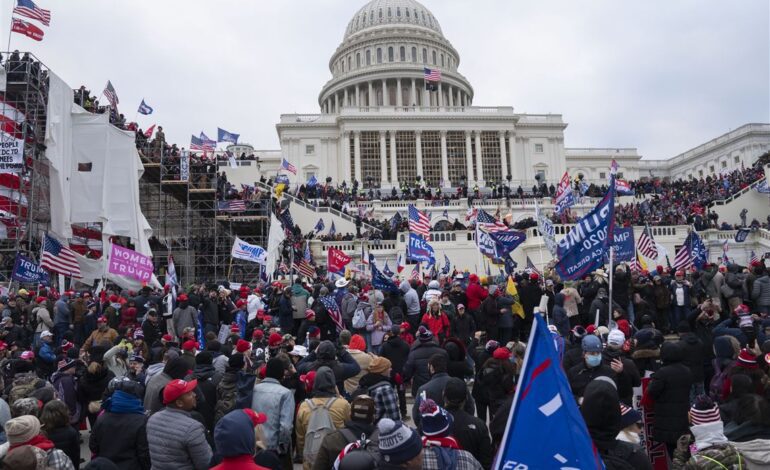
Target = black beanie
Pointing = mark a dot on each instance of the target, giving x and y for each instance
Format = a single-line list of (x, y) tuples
[(176, 368), (236, 361), (275, 369), (204, 358)]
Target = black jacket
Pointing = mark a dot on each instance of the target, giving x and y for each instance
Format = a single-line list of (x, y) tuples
[(463, 327), (207, 387), (122, 438), (573, 355), (670, 391), (628, 378), (416, 367), (692, 355), (472, 435), (210, 309), (66, 439), (434, 390), (580, 375), (396, 351)]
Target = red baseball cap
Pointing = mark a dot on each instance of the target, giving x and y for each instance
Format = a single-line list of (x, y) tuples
[(258, 334), (177, 388), (256, 418), (101, 319), (242, 346), (274, 340), (234, 328), (189, 345), (240, 303), (167, 337), (308, 379), (309, 313), (182, 298)]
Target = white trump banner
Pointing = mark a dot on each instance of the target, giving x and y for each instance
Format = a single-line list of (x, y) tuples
[(248, 252)]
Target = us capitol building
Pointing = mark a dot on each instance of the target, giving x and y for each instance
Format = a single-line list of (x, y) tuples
[(380, 126)]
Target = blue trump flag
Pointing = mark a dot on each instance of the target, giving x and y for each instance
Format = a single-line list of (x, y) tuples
[(420, 250), (27, 271), (507, 241), (281, 179), (583, 249), (625, 249), (545, 428)]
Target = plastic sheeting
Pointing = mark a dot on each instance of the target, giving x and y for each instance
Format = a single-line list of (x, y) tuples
[(109, 192)]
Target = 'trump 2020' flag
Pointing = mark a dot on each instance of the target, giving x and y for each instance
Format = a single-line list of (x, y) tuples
[(545, 428), (583, 249), (224, 136), (248, 252), (565, 198), (420, 250), (337, 260)]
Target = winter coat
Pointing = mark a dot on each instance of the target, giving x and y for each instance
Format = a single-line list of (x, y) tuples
[(299, 301), (339, 411), (475, 294), (226, 394), (184, 318), (581, 375), (628, 378), (717, 455), (380, 388), (152, 402), (559, 315), (760, 291), (98, 337), (472, 435), (411, 298), (378, 332), (621, 287), (434, 389), (602, 305), (210, 309), (44, 321), (91, 387), (437, 324), (458, 364), (207, 393), (131, 450), (670, 391), (692, 350), (396, 351), (279, 401), (416, 367), (177, 441), (363, 359), (571, 300), (463, 327), (234, 439), (343, 368), (335, 441), (67, 439), (494, 383)]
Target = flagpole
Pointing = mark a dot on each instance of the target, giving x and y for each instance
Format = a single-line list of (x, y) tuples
[(10, 26)]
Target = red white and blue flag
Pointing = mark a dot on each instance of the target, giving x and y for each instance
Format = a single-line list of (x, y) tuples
[(415, 276), (333, 310), (30, 10), (419, 222), (59, 258), (565, 198), (233, 205), (623, 189), (111, 95), (646, 245), (400, 264), (489, 223), (432, 75), (285, 165)]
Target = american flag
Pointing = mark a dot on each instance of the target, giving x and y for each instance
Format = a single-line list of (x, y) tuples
[(646, 245), (304, 268), (725, 249), (683, 260), (111, 95), (489, 223), (196, 143), (753, 258), (285, 165), (531, 268), (432, 75), (418, 222), (30, 10), (283, 268), (415, 272), (333, 310), (233, 205), (59, 258), (207, 143)]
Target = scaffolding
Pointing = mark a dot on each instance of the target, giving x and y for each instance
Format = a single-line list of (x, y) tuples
[(25, 205), (192, 222)]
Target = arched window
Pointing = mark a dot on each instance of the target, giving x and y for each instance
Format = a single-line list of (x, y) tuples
[(371, 16), (368, 57), (398, 12), (424, 56), (402, 54), (358, 59), (414, 54), (379, 55), (433, 56), (380, 13), (390, 12), (442, 60), (390, 54)]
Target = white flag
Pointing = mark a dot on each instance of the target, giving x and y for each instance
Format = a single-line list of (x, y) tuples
[(275, 237)]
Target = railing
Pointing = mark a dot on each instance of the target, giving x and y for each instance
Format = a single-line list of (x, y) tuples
[(722, 202)]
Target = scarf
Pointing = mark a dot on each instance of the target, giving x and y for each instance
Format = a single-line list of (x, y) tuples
[(39, 441), (124, 403), (709, 434), (447, 442)]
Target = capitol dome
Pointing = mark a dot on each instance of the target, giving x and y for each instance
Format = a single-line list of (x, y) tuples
[(381, 61), (392, 12)]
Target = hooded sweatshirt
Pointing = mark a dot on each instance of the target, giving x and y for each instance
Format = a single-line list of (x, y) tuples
[(234, 438), (410, 298)]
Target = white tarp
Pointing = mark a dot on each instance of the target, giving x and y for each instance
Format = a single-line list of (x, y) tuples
[(58, 141)]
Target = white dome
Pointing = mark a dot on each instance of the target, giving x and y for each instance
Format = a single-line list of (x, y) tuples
[(392, 12)]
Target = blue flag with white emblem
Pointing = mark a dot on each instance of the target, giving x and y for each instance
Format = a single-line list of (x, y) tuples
[(582, 250), (420, 250), (224, 136), (545, 428), (144, 108)]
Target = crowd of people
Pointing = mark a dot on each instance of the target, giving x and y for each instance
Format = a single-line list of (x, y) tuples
[(318, 372)]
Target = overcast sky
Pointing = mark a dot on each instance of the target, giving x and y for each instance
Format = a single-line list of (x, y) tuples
[(658, 75)]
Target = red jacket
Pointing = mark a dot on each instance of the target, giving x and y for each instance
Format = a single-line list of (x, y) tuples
[(475, 293), (240, 462), (438, 325)]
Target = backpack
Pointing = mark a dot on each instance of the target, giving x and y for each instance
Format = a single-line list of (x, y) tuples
[(318, 427), (359, 319), (23, 385), (359, 444), (717, 385)]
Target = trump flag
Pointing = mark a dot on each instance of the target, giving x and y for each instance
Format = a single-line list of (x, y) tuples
[(545, 428)]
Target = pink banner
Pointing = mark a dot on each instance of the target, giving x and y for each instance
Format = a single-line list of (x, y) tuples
[(129, 263)]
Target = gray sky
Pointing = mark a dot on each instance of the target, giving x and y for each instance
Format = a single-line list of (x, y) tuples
[(658, 75)]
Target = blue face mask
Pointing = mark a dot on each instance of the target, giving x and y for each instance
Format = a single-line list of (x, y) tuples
[(593, 360)]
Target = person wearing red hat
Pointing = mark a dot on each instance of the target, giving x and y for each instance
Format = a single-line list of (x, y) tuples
[(274, 341), (184, 316), (189, 349), (475, 294), (103, 333), (680, 300), (308, 321), (175, 438), (405, 334), (234, 439)]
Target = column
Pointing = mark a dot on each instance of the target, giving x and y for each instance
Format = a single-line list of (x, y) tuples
[(468, 157), (385, 101), (444, 161), (503, 155), (399, 98), (383, 160), (418, 151), (413, 95), (425, 95), (344, 142), (479, 165), (357, 154), (358, 95), (369, 101), (345, 98), (512, 157), (440, 95), (451, 97), (393, 160), (336, 102)]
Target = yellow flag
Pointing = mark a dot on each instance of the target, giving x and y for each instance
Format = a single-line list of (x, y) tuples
[(510, 289), (279, 188), (641, 261)]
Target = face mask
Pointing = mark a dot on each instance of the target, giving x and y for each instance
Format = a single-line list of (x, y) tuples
[(594, 360)]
